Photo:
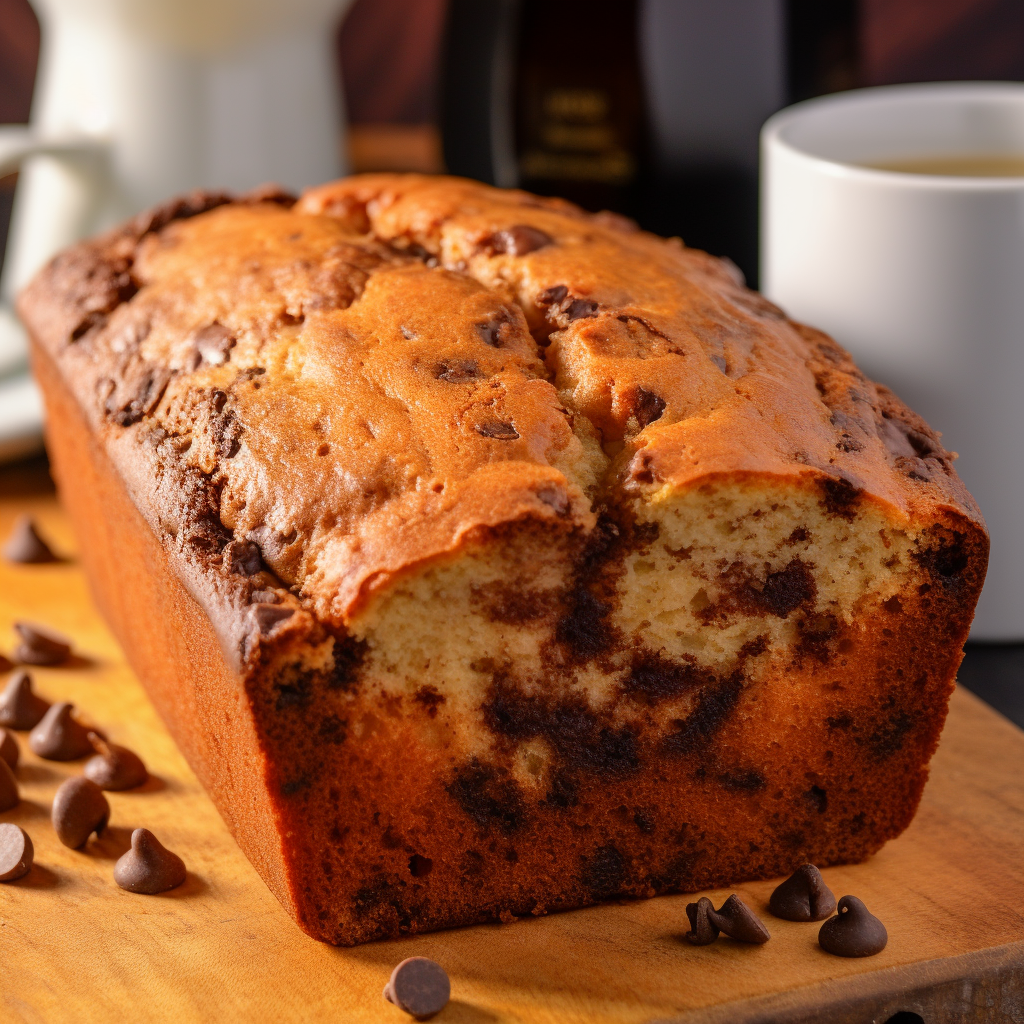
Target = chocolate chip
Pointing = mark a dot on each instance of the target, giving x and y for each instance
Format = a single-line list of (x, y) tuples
[(9, 751), (20, 708), (581, 309), (552, 296), (495, 331), (803, 896), (25, 546), (267, 616), (16, 852), (79, 809), (517, 240), (114, 767), (739, 922), (9, 795), (244, 558), (264, 597), (419, 986), (734, 918), (138, 394), (458, 371), (854, 931), (148, 867), (498, 430), (59, 736), (703, 931), (39, 646), (213, 343), (647, 407)]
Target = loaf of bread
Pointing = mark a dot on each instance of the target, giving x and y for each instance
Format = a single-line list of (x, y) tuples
[(486, 557)]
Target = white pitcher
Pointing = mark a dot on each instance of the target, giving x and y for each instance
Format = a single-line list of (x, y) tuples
[(138, 100)]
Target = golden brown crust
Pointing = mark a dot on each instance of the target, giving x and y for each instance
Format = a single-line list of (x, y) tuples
[(451, 420), (312, 405)]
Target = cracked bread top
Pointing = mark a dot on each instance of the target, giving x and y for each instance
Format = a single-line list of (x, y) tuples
[(308, 399)]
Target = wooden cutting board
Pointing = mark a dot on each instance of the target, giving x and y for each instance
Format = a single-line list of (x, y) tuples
[(74, 947)]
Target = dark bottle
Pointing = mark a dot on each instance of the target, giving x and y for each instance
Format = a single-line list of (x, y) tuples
[(550, 95), (822, 47), (547, 95), (580, 120)]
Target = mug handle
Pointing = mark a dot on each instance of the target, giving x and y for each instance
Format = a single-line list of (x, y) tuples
[(19, 143)]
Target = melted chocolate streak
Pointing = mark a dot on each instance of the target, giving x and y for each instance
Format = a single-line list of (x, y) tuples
[(587, 742)]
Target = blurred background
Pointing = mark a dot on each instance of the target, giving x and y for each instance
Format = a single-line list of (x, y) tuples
[(648, 107)]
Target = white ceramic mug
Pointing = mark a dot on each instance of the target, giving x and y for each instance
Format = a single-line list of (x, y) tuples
[(139, 100), (920, 276)]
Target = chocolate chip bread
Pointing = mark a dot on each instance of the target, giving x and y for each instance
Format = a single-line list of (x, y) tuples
[(486, 557)]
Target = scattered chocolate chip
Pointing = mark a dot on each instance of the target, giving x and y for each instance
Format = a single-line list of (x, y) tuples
[(20, 708), (114, 767), (9, 795), (703, 931), (739, 922), (734, 918), (16, 852), (854, 931), (648, 407), (498, 430), (553, 295), (79, 809), (213, 343), (803, 896), (264, 597), (458, 371), (25, 546), (59, 736), (517, 240), (9, 751), (39, 646), (719, 361), (148, 867), (580, 309), (419, 986)]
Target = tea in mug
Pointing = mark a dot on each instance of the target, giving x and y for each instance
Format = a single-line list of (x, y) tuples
[(967, 165)]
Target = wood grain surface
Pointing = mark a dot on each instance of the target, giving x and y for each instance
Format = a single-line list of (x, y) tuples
[(74, 947)]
